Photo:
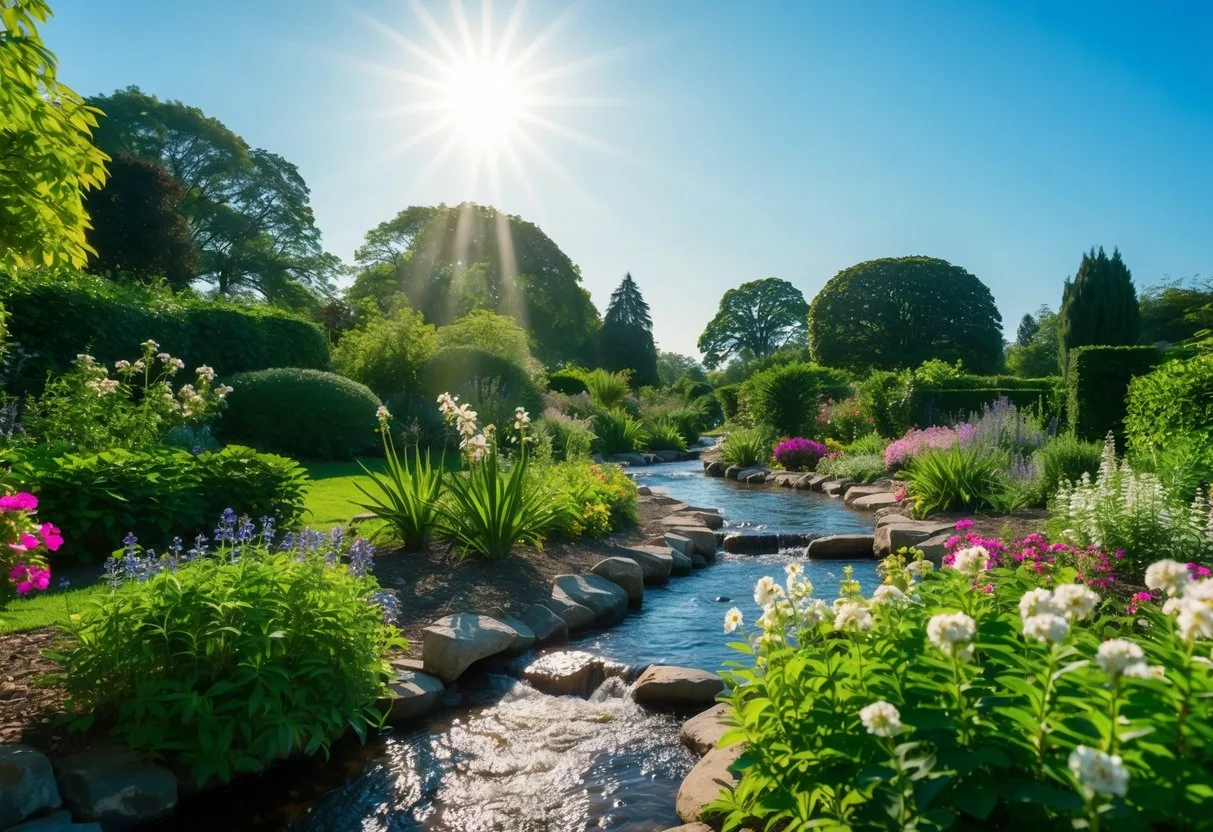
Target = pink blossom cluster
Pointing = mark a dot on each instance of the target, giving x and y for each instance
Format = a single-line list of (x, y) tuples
[(25, 539), (28, 578), (917, 442), (1095, 567)]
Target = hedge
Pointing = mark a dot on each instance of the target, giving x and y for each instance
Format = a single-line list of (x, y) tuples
[(568, 382), (56, 318), (1097, 383), (729, 397), (1169, 404), (938, 406)]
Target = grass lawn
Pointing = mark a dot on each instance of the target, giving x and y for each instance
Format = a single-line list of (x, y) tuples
[(46, 608), (332, 499)]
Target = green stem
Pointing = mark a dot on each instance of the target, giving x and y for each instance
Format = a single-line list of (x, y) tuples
[(961, 715), (1043, 712), (1185, 703), (1114, 716), (863, 682), (900, 783)]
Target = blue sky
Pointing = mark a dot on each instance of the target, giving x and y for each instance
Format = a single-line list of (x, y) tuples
[(700, 143)]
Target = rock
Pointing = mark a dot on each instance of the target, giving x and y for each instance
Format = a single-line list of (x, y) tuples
[(571, 673), (667, 500), (892, 536), (667, 456), (698, 561), (628, 459), (702, 540), (607, 600), (624, 573), (526, 636), (715, 468), (676, 686), (888, 511), (655, 564), (783, 478), (842, 546), (450, 645), (690, 827), (755, 474), (732, 471), (855, 492), (644, 491), (696, 517), (815, 481), (60, 821), (886, 483), (706, 780), (683, 518), (27, 784), (934, 548), (576, 616), (679, 543), (547, 626), (804, 483), (752, 544), (836, 487), (891, 519), (112, 786), (703, 732), (413, 695), (872, 502), (683, 565)]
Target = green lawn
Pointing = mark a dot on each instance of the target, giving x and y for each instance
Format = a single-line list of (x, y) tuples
[(332, 499), (46, 608)]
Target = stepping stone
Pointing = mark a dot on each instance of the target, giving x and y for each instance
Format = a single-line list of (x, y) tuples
[(855, 492), (608, 602), (892, 536), (571, 673), (872, 502), (703, 732), (672, 686), (624, 573), (842, 547), (452, 644), (702, 540)]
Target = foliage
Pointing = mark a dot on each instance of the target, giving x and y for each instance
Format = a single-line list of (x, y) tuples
[(871, 443), (665, 435), (608, 390), (729, 397), (746, 447), (249, 209), (754, 320), (489, 383), (497, 334), (1171, 408), (1039, 355), (1125, 509), (303, 413), (1003, 426), (47, 158), (940, 406), (23, 567), (1099, 306), (887, 399), (1097, 383), (936, 373), (626, 338), (156, 492), (567, 381), (1065, 457), (1176, 310), (917, 442), (138, 230), (231, 659), (788, 397), (798, 454), (671, 366), (859, 465), (843, 420), (390, 354), (970, 699), (1090, 564), (1026, 331), (571, 438), (901, 311), (389, 243), (404, 496), (955, 478), (617, 432), (601, 498)]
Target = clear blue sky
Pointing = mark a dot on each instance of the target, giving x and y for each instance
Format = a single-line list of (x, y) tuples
[(718, 142)]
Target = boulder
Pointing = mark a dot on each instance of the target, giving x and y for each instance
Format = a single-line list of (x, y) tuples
[(628, 459), (842, 546), (703, 732), (683, 518), (732, 471), (892, 519), (699, 517), (656, 564), (784, 479), (873, 502), (526, 636), (702, 540), (888, 511), (60, 821), (668, 455), (413, 695), (690, 827), (575, 616), (667, 685), (706, 780), (450, 645), (571, 673), (667, 500), (683, 565), (547, 626), (892, 536), (715, 468), (112, 786), (27, 784), (605, 598), (752, 544), (698, 561), (624, 573), (934, 548), (644, 491), (836, 488), (803, 483), (855, 492), (755, 475), (814, 481)]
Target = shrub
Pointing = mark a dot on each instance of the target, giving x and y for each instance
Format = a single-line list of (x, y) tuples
[(872, 443), (498, 334), (231, 659), (917, 442), (1097, 382), (569, 382), (665, 435), (746, 447), (860, 467), (887, 399), (843, 420), (390, 354), (954, 479), (618, 433), (608, 390), (491, 385), (1003, 426), (1169, 420), (303, 413), (601, 498), (1067, 458), (939, 406), (788, 396), (728, 396), (572, 438), (799, 454), (404, 496)]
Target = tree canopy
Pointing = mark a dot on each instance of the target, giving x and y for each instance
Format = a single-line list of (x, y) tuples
[(626, 341), (753, 321), (498, 334), (898, 312), (1028, 327), (249, 210), (47, 157), (671, 366), (1038, 357), (1099, 306), (1176, 310)]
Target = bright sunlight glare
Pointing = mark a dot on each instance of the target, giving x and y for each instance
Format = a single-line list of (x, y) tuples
[(485, 102)]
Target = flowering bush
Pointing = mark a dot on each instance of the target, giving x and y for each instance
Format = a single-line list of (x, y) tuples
[(799, 454), (600, 498), (405, 496), (23, 567), (978, 696), (844, 465), (844, 420), (917, 442), (234, 652), (1006, 427), (1090, 564)]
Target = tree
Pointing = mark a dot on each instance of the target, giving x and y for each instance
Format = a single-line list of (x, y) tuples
[(1038, 357), (249, 210), (753, 321), (138, 230), (493, 333), (1028, 327), (672, 365), (898, 312), (47, 157), (627, 335), (1176, 310), (389, 242), (1099, 306), (389, 355)]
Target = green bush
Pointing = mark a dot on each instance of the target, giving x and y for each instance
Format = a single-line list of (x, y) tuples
[(608, 390), (955, 479), (887, 398), (601, 498), (97, 498), (1066, 457), (227, 664), (493, 386), (665, 435), (390, 354), (872, 443), (618, 433), (860, 466), (746, 447), (569, 382), (306, 414), (787, 397), (405, 495), (1170, 404), (571, 438), (729, 398), (1097, 382)]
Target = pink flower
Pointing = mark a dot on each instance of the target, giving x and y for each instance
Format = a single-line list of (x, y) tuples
[(30, 542), (29, 578), (961, 525), (18, 502), (51, 536)]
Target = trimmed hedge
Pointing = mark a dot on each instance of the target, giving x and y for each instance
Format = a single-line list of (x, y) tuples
[(1169, 404), (729, 397), (1097, 384), (568, 382), (54, 319), (302, 413)]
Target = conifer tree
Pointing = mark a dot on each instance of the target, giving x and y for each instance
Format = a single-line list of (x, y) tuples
[(1099, 306), (627, 335)]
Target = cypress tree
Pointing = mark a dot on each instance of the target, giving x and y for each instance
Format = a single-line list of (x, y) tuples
[(627, 335), (1099, 306)]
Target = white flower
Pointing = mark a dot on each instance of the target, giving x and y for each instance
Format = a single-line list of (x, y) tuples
[(799, 587), (138, 365), (1117, 655), (1037, 601), (852, 617), (1074, 601), (766, 591), (521, 418), (1171, 606), (794, 570), (888, 594), (164, 356), (122, 364), (881, 719), (150, 345), (175, 365), (971, 562), (814, 612), (1199, 591), (222, 390), (1099, 772), (102, 386), (85, 359), (476, 447), (918, 568), (732, 620), (383, 415), (953, 634), (771, 638), (206, 373), (1170, 576), (1049, 628), (1195, 619)]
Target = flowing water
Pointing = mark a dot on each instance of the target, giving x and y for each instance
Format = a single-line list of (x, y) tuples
[(522, 761)]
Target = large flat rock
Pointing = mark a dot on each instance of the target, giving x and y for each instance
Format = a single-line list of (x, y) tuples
[(697, 517), (842, 547), (705, 782), (874, 502), (452, 644), (892, 519), (702, 733), (656, 564), (27, 783), (571, 673), (671, 686), (547, 626), (892, 536), (414, 695), (608, 601), (836, 487), (857, 492), (624, 573), (703, 540), (109, 784), (575, 616)]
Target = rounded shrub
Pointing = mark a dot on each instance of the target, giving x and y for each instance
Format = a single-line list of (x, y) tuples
[(1170, 401), (787, 397), (491, 384), (301, 413), (569, 382)]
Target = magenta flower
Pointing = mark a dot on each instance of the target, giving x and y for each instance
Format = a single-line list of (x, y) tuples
[(961, 525), (30, 542), (51, 536), (29, 578), (799, 454), (18, 502)]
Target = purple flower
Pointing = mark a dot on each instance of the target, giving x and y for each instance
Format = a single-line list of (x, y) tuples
[(361, 556), (387, 600), (799, 454)]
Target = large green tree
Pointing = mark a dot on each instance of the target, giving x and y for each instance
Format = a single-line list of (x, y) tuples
[(1038, 355), (249, 210), (1099, 306), (47, 157), (901, 311), (753, 321), (671, 366), (626, 342), (1176, 310)]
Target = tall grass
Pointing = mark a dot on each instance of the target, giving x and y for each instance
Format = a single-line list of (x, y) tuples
[(665, 435), (953, 479), (608, 390), (404, 496), (1066, 458), (746, 447), (618, 433)]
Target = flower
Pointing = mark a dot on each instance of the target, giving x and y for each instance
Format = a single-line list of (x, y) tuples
[(122, 364), (383, 415), (794, 570), (29, 578), (22, 501), (971, 562), (814, 612), (799, 588), (953, 634), (361, 557), (732, 620), (1170, 576), (766, 591), (1117, 656), (918, 568), (150, 345), (881, 719), (477, 447), (1099, 772), (1049, 628), (164, 356), (1074, 601), (887, 594), (852, 617), (521, 418), (1037, 601), (1195, 619), (205, 372), (962, 525)]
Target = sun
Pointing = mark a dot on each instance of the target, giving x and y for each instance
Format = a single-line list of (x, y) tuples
[(485, 103)]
